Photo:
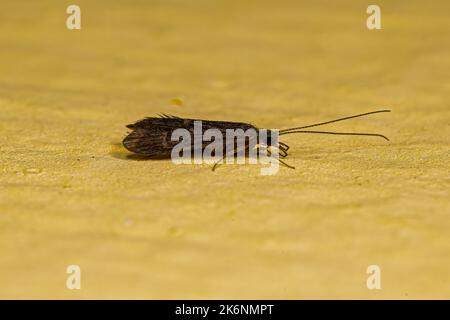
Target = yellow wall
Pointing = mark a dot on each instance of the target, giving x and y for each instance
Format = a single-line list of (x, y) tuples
[(149, 229)]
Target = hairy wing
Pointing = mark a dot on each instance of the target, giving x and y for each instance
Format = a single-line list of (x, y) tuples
[(155, 123), (151, 143)]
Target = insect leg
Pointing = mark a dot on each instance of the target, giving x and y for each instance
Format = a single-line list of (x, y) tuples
[(280, 161), (232, 152), (286, 147), (283, 152)]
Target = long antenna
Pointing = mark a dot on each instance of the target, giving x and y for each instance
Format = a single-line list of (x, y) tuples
[(332, 121), (338, 133)]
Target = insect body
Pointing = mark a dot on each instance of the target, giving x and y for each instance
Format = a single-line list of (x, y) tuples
[(152, 137)]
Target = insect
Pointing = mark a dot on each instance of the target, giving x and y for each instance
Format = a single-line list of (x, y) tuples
[(152, 137)]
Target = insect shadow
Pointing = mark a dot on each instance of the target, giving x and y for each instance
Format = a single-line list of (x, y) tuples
[(119, 152)]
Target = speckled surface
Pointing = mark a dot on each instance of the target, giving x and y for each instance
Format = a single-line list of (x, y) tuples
[(150, 229)]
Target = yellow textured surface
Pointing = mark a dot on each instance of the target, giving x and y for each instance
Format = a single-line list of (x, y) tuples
[(150, 229)]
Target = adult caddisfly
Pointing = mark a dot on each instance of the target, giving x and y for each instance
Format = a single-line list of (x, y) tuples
[(153, 137)]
